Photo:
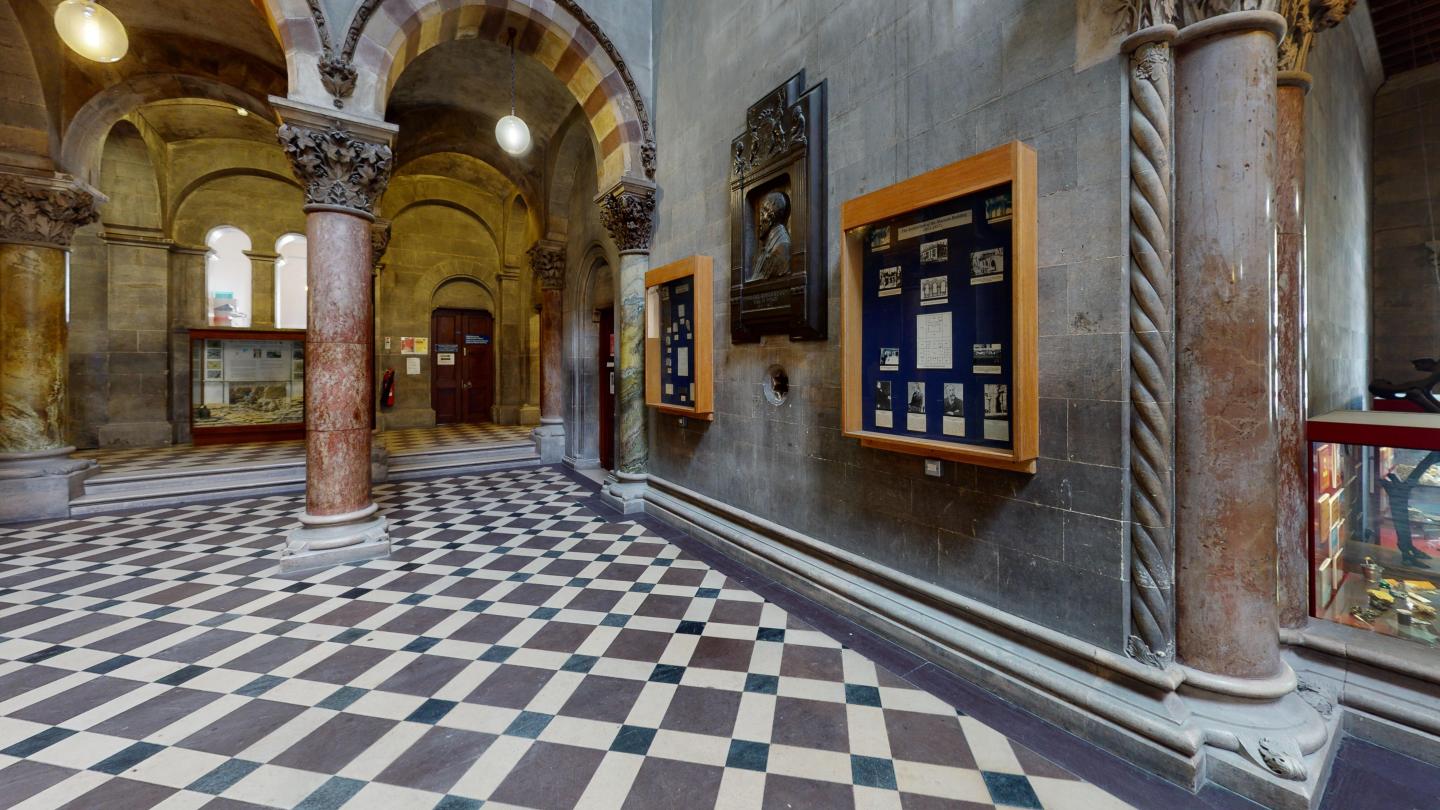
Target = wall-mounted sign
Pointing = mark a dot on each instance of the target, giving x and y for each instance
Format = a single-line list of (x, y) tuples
[(445, 358), (447, 347), (414, 345), (412, 365), (476, 340)]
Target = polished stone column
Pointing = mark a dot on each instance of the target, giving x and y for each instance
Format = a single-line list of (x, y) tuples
[(628, 212), (38, 216), (1227, 622), (344, 166), (547, 261)]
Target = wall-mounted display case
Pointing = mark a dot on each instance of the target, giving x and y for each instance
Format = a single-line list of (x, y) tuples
[(679, 363), (1375, 522), (938, 313), (247, 385)]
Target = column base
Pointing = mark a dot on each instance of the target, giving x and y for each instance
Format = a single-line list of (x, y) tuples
[(38, 486), (136, 434), (625, 492), (505, 414), (309, 548), (549, 442), (529, 414)]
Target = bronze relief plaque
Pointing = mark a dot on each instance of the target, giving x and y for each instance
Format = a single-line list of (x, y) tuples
[(777, 216)]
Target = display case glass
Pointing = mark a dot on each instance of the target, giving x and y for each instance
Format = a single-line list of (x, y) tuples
[(246, 385), (1375, 522), (678, 338)]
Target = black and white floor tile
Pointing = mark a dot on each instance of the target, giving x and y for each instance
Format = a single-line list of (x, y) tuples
[(518, 650)]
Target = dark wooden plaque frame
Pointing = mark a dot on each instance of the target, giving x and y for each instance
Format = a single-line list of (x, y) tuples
[(783, 146)]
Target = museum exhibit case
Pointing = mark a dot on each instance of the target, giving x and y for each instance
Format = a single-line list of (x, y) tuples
[(938, 308), (1375, 522), (679, 338), (247, 385)]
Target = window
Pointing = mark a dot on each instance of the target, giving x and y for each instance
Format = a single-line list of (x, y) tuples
[(291, 286), (227, 277)]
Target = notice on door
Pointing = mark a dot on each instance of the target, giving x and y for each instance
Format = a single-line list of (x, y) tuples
[(444, 358)]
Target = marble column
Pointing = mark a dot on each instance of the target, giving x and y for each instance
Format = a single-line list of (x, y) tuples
[(38, 217), (628, 210), (547, 261), (1226, 620), (1292, 523), (344, 166)]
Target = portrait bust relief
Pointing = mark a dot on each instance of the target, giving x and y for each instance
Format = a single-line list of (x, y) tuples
[(772, 233)]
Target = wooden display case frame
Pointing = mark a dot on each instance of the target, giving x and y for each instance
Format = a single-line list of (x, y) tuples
[(1012, 163), (701, 271), (237, 434)]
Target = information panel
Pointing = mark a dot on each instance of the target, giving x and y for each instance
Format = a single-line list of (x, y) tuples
[(679, 336), (677, 341)]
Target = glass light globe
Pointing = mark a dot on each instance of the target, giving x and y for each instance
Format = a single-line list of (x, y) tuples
[(91, 30), (513, 135)]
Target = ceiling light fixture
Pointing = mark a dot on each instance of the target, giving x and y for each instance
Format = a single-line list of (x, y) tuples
[(91, 30), (510, 132)]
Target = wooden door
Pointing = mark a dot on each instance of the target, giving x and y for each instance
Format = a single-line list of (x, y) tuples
[(607, 388), (462, 354)]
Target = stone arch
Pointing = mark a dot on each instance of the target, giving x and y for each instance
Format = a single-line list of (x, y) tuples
[(439, 202), (566, 155), (557, 33), (464, 271), (305, 40), (85, 137), (219, 174), (485, 299)]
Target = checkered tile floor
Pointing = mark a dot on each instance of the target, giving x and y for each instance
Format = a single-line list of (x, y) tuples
[(517, 650), (129, 460)]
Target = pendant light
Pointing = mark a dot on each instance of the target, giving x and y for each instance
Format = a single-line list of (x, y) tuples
[(91, 30), (510, 132)]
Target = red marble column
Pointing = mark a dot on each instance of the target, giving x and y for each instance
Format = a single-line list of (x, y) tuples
[(1226, 621), (547, 261), (1292, 525), (344, 165)]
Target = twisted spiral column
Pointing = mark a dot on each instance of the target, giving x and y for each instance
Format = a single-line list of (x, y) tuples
[(1152, 282)]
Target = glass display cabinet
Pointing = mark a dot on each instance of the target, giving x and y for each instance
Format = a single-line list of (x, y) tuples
[(1375, 522), (247, 385)]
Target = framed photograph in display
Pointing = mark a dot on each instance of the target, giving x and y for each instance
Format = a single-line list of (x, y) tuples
[(679, 340), (938, 305)]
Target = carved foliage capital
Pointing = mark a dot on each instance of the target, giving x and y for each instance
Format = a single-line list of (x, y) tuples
[(1193, 11), (1137, 15), (42, 211), (379, 240), (628, 213), (1303, 20), (337, 168), (547, 262)]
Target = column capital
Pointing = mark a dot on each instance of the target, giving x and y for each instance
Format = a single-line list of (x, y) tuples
[(45, 208), (1303, 20), (547, 262), (379, 241), (344, 162), (627, 210)]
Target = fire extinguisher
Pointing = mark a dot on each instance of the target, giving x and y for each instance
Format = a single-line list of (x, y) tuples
[(387, 388)]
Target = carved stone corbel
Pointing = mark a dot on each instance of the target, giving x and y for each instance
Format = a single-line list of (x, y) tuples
[(628, 212), (45, 209), (379, 242), (547, 262)]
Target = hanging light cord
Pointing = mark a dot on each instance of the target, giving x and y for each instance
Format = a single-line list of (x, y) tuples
[(512, 71)]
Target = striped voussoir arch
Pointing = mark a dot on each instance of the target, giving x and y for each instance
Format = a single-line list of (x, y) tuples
[(400, 30)]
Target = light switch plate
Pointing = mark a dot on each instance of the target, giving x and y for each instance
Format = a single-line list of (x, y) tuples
[(932, 467)]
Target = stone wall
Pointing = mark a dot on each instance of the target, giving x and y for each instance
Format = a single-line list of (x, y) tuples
[(1405, 282), (913, 86), (1346, 68)]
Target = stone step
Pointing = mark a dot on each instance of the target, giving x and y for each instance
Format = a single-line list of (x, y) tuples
[(462, 461)]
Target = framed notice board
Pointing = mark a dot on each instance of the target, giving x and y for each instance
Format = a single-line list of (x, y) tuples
[(679, 367), (938, 313)]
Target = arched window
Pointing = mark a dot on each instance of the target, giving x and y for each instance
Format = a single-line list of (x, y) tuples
[(227, 277), (290, 282)]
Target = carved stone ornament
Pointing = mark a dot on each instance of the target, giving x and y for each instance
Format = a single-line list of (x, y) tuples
[(628, 213), (1193, 11), (777, 216), (1303, 20), (1286, 764), (379, 240), (1136, 15), (337, 168), (43, 211), (547, 262)]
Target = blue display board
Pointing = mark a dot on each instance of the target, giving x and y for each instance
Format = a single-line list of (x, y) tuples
[(937, 331), (677, 341)]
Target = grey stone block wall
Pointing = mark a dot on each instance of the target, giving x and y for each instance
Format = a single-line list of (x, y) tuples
[(1406, 282), (1338, 153), (913, 86)]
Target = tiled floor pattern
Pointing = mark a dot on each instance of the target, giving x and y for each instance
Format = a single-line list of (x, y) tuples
[(131, 460), (517, 650)]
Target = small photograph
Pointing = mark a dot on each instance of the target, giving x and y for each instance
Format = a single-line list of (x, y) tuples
[(879, 237), (953, 415), (273, 354), (884, 405), (889, 358), (214, 365), (986, 358), (297, 368), (997, 208), (889, 281), (214, 353), (997, 412), (987, 266), (915, 407), (934, 290), (214, 374), (937, 251), (297, 354), (257, 353), (680, 311)]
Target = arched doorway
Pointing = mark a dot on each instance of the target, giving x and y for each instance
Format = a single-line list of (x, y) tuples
[(590, 329)]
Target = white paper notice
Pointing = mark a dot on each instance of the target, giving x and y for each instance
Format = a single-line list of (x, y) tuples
[(997, 430), (946, 222), (933, 347), (412, 365), (885, 419), (682, 362), (444, 358)]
